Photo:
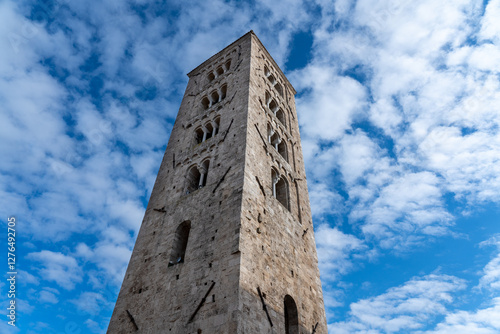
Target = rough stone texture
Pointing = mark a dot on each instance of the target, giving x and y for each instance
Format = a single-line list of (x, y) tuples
[(241, 237)]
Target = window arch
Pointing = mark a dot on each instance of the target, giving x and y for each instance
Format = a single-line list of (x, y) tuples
[(204, 173), (291, 316), (178, 253), (216, 125), (279, 88), (223, 92), (266, 71), (280, 189), (219, 71), (205, 102), (209, 130), (282, 150), (227, 65), (193, 179), (211, 76), (281, 117), (214, 96), (199, 135)]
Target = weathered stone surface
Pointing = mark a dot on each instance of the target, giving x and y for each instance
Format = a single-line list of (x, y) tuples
[(241, 237)]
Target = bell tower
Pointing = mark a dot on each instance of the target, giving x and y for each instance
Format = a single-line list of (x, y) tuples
[(227, 243)]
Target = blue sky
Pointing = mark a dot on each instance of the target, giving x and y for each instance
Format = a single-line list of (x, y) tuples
[(398, 104)]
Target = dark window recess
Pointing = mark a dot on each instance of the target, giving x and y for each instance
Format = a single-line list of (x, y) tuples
[(180, 244), (291, 316)]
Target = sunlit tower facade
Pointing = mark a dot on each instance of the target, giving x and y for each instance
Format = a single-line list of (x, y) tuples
[(227, 242)]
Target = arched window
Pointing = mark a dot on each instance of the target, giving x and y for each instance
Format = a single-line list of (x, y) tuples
[(275, 140), (279, 88), (268, 99), (199, 135), (197, 177), (193, 179), (211, 76), (266, 71), (281, 117), (282, 149), (204, 173), (280, 189), (180, 243), (220, 71), (216, 127), (215, 97), (227, 65), (273, 106), (210, 130), (270, 133), (272, 79), (223, 92), (205, 102), (291, 316)]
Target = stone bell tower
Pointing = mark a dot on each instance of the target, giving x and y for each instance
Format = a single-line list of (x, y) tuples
[(227, 243)]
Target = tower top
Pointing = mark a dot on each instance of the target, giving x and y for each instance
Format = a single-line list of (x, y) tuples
[(196, 70)]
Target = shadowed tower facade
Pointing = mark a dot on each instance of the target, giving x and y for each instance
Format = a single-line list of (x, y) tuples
[(227, 242)]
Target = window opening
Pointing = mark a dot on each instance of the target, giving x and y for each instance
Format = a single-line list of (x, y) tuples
[(193, 179), (180, 243), (291, 316), (223, 91), (209, 131), (215, 97), (211, 76), (272, 79), (205, 102), (204, 173), (282, 149), (199, 135), (280, 189), (273, 106), (219, 71), (281, 117), (227, 65), (216, 127), (279, 88)]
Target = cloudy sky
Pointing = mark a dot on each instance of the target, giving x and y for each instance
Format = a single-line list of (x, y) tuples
[(398, 103)]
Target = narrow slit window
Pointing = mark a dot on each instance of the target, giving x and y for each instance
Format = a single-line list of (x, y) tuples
[(181, 237)]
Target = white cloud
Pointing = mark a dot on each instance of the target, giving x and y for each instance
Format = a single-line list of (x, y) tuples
[(335, 251), (481, 321), (330, 103), (46, 296), (59, 268), (490, 278), (406, 308)]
